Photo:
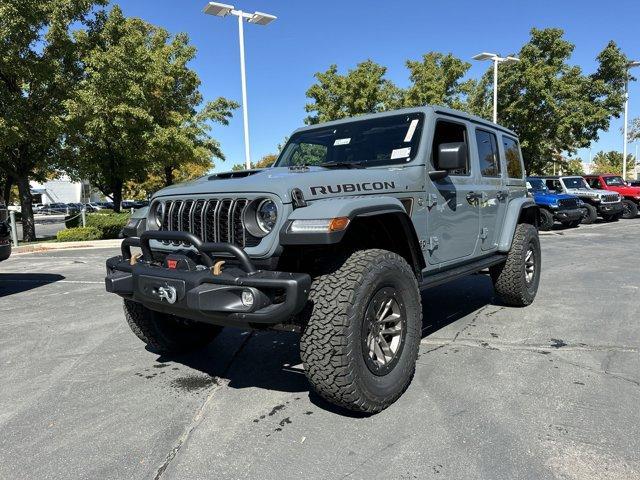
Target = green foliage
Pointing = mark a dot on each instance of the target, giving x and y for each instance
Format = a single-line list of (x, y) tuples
[(109, 225), (73, 221), (611, 162), (134, 113), (38, 69), (436, 80), (79, 234), (551, 104), (361, 90), (265, 162)]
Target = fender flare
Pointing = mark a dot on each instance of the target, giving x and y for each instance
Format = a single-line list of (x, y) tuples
[(519, 210), (350, 207)]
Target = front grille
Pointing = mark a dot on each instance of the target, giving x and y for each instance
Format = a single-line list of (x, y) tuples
[(215, 220), (610, 198), (567, 203)]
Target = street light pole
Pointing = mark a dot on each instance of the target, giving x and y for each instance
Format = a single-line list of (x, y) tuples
[(243, 80), (625, 127), (496, 59), (259, 18), (495, 89)]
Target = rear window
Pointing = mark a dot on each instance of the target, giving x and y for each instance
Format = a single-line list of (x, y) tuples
[(512, 154), (488, 153)]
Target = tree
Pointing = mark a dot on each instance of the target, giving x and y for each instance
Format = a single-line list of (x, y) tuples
[(180, 135), (361, 90), (436, 80), (552, 105), (611, 162), (134, 116), (634, 130), (265, 162), (38, 69)]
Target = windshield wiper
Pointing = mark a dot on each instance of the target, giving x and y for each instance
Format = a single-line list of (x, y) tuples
[(342, 164)]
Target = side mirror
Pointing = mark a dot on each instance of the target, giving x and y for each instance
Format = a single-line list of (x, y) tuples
[(452, 156)]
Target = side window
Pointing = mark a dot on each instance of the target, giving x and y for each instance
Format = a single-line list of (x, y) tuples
[(594, 182), (512, 153), (488, 153), (449, 132), (554, 185)]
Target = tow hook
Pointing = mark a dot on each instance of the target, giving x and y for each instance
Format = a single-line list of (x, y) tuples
[(167, 293)]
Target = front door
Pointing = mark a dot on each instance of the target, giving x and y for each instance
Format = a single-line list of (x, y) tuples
[(453, 209), (493, 201)]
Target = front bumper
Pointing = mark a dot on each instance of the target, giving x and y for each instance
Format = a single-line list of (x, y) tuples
[(568, 215), (197, 293), (609, 208)]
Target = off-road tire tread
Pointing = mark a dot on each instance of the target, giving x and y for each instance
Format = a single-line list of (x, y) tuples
[(546, 220), (592, 216), (508, 280), (633, 209), (325, 349), (146, 329)]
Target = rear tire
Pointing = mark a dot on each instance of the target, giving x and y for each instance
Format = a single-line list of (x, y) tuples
[(546, 220), (590, 214), (574, 223), (516, 280), (348, 358), (166, 333), (629, 209), (611, 218)]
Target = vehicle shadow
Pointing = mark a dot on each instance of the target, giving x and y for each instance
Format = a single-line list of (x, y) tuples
[(271, 360), (12, 283)]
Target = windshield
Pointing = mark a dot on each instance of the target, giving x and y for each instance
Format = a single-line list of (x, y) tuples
[(575, 182), (537, 185), (379, 141), (614, 181)]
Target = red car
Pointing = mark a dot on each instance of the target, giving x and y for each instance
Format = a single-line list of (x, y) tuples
[(615, 183)]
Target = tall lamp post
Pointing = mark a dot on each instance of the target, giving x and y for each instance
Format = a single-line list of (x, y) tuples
[(258, 18), (496, 59), (625, 127)]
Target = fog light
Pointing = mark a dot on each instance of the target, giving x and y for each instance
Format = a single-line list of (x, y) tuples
[(247, 298)]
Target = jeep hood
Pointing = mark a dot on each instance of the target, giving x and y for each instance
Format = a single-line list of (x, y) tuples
[(588, 192), (315, 182), (550, 198), (626, 191)]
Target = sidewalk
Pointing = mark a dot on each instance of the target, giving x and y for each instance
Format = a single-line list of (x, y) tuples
[(46, 246)]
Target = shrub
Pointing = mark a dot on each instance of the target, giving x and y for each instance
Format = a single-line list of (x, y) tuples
[(109, 224), (73, 221), (78, 234)]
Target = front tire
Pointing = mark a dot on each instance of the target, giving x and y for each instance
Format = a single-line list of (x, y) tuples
[(546, 220), (629, 209), (165, 333), (360, 345), (590, 214), (516, 280)]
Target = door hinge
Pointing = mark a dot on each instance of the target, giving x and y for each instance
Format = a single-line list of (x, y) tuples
[(432, 244), (432, 200), (484, 233)]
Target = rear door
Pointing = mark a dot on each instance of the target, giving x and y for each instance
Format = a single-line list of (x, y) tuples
[(453, 217), (492, 204)]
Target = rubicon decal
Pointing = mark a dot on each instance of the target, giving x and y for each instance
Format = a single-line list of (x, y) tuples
[(352, 187)]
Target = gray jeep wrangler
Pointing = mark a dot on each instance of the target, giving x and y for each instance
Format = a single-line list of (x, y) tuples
[(336, 241)]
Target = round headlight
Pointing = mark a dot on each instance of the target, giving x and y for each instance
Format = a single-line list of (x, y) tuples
[(266, 215), (156, 213), (260, 217)]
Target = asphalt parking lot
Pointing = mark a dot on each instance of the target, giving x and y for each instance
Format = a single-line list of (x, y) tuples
[(549, 391)]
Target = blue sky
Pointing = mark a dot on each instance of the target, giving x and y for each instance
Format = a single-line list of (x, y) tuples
[(310, 35)]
